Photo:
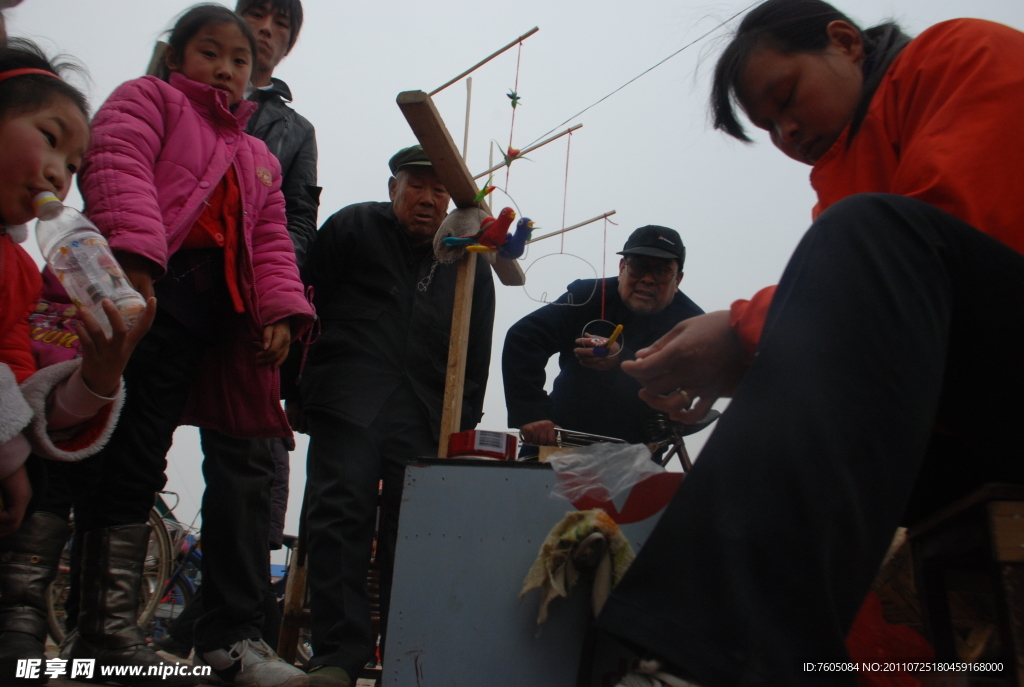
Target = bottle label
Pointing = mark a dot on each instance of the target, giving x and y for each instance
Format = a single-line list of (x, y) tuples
[(88, 271)]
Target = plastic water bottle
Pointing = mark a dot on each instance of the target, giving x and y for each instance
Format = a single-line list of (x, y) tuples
[(81, 259)]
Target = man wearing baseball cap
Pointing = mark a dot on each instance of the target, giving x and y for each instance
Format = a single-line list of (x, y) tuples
[(591, 394), (372, 391)]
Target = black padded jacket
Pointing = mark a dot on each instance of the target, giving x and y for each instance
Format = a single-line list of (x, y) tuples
[(292, 139)]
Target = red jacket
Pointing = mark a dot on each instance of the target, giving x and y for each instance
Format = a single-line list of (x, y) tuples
[(944, 127), (20, 286)]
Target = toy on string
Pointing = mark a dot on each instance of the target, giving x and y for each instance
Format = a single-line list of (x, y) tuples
[(603, 346)]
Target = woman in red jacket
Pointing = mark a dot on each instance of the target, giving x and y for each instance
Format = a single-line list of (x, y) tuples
[(899, 318)]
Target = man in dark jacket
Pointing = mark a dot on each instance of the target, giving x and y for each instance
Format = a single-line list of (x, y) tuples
[(288, 134), (372, 392), (591, 394)]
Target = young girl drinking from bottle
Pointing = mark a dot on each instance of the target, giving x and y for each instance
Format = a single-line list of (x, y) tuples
[(192, 207), (43, 136)]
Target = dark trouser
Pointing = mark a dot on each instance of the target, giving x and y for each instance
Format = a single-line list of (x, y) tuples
[(345, 463), (125, 476), (236, 510), (891, 316), (118, 485), (235, 536), (183, 627)]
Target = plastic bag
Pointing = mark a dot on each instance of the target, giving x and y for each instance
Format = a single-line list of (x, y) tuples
[(602, 471)]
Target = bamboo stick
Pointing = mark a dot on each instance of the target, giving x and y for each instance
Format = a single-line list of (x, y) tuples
[(484, 61), (575, 226), (469, 101), (524, 151)]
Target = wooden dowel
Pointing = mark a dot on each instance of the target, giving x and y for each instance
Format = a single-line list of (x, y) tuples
[(575, 226), (524, 151), (458, 348), (484, 61), (469, 101)]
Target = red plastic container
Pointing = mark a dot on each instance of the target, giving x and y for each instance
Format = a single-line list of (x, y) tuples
[(477, 443)]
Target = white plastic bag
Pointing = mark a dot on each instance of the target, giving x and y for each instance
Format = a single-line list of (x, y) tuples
[(602, 471)]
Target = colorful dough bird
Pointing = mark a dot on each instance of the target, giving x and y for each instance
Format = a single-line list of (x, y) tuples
[(515, 245), (493, 236)]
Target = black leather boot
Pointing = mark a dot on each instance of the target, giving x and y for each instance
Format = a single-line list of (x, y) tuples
[(28, 564), (112, 563)]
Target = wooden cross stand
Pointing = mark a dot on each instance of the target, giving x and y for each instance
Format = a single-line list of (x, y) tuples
[(430, 130)]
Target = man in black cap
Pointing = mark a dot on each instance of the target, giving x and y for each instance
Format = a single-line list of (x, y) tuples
[(591, 394), (372, 392)]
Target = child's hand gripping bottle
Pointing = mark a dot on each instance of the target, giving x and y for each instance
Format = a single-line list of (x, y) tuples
[(81, 259)]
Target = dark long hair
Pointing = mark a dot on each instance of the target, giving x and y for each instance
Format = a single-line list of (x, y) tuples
[(793, 26), (32, 91), (194, 19)]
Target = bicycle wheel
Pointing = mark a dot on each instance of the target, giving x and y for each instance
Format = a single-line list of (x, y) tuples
[(157, 569), (155, 572), (168, 609)]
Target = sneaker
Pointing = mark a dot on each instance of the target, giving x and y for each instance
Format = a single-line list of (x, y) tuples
[(251, 663), (650, 674)]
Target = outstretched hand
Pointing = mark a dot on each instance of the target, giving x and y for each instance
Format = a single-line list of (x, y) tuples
[(584, 352), (103, 359), (701, 358)]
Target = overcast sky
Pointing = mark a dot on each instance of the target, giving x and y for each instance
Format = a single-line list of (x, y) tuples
[(647, 152)]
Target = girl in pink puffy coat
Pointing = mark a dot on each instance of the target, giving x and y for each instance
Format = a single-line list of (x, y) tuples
[(192, 207)]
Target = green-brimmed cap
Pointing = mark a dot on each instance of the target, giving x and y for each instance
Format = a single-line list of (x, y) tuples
[(413, 155)]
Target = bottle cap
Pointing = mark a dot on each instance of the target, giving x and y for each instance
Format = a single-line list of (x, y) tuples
[(47, 205)]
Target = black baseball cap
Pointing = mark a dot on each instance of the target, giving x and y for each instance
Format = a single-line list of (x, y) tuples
[(656, 242), (413, 155)]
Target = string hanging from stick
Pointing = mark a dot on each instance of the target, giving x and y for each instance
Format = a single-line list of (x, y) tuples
[(514, 97), (604, 263)]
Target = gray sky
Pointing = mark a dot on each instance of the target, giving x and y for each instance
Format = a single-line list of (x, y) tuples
[(647, 152)]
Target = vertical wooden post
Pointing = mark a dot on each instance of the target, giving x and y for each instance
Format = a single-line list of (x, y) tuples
[(437, 142), (458, 347)]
